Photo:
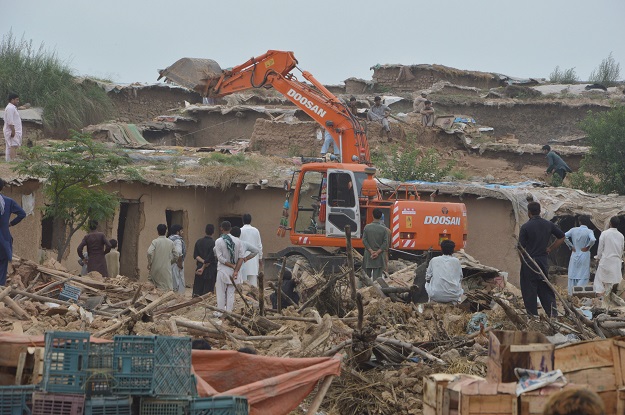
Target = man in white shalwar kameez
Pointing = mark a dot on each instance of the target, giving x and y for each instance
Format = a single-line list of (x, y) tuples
[(579, 240), (229, 253), (251, 235), (444, 276), (610, 256)]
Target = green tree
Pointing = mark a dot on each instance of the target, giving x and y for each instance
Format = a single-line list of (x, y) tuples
[(400, 164), (606, 160), (607, 73), (73, 174)]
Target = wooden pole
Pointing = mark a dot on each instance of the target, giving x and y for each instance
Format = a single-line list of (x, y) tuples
[(410, 347), (279, 288), (321, 393), (350, 261), (261, 293)]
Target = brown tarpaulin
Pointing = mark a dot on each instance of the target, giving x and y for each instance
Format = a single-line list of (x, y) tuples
[(272, 385)]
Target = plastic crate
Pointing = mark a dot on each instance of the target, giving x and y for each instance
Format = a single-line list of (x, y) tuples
[(69, 293), (153, 366), (100, 378), (16, 400), (219, 405), (65, 361), (151, 406), (113, 405), (57, 404), (172, 368)]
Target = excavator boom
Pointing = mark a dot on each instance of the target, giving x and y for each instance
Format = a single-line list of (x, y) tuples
[(274, 69)]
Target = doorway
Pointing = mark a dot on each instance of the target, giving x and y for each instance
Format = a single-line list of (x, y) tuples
[(128, 230)]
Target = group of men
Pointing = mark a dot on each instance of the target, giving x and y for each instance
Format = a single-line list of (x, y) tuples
[(535, 246), (235, 257)]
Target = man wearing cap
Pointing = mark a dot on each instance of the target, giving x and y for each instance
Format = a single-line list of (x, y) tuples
[(380, 112)]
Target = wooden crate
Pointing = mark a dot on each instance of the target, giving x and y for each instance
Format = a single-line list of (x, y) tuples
[(610, 400), (591, 363), (508, 350), (477, 396), (433, 388), (533, 402), (429, 410)]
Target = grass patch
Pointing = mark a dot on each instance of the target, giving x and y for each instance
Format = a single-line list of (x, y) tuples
[(41, 78), (222, 158)]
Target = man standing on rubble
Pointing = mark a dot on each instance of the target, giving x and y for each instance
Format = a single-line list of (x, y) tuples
[(8, 207), (375, 238), (419, 103), (534, 238), (580, 239), (161, 255), (610, 256), (251, 267), (444, 275), (380, 112), (206, 263), (229, 252), (556, 164)]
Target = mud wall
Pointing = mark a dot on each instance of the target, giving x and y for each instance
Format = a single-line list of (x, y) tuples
[(214, 128), (29, 229), (279, 138), (385, 78), (199, 206), (490, 237), (530, 123), (134, 105)]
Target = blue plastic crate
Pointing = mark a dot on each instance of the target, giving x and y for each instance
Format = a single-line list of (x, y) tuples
[(113, 405), (153, 366), (65, 361), (69, 293), (219, 405), (100, 379), (152, 406), (16, 400)]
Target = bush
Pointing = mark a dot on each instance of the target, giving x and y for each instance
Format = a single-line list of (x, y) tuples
[(607, 73), (401, 165), (567, 76), (43, 80), (606, 135)]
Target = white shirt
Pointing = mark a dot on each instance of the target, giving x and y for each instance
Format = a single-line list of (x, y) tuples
[(12, 117), (444, 276), (251, 236), (221, 253), (579, 264), (610, 256)]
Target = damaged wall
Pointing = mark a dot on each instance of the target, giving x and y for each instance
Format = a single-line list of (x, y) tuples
[(530, 123), (417, 77), (138, 104), (278, 138)]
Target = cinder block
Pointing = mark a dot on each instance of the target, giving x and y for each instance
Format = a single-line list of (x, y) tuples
[(584, 291)]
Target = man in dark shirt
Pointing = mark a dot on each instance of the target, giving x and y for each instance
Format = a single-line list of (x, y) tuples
[(556, 164), (206, 263), (534, 237), (288, 290)]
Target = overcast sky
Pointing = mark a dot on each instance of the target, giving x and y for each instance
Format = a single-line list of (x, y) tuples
[(129, 40)]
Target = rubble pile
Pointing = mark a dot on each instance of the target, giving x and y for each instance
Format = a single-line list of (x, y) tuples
[(389, 344)]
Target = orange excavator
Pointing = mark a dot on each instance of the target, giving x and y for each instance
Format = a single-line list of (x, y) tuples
[(328, 196)]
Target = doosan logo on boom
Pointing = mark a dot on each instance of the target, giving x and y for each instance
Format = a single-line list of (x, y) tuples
[(441, 220), (306, 102)]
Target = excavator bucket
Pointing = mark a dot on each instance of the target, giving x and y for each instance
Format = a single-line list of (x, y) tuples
[(193, 73)]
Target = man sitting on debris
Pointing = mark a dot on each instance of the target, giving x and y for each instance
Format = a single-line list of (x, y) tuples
[(580, 239), (556, 164), (288, 290), (610, 256), (444, 275), (534, 238), (427, 115), (380, 112)]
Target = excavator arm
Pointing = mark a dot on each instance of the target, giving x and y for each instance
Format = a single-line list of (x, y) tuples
[(274, 69)]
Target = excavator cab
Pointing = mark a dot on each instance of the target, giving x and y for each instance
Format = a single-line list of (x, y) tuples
[(342, 204)]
